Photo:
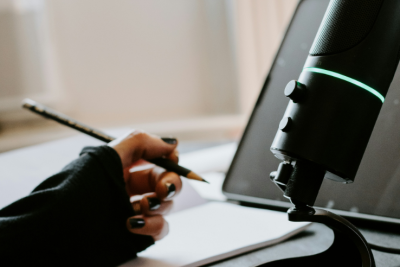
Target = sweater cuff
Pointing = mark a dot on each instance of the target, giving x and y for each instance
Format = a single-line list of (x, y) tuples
[(109, 159), (112, 164)]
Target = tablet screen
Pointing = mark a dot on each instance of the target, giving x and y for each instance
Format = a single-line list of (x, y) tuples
[(376, 190)]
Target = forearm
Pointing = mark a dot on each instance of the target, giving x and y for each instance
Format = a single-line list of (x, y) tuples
[(76, 217)]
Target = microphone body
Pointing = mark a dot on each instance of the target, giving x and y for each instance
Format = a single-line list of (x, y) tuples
[(337, 98)]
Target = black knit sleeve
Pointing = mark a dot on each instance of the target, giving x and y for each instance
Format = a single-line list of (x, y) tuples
[(74, 218)]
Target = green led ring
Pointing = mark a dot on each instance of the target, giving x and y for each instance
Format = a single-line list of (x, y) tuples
[(347, 79)]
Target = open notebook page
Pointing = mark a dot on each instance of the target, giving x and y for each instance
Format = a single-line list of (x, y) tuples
[(215, 231)]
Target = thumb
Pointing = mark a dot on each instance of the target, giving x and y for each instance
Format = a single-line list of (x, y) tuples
[(141, 145)]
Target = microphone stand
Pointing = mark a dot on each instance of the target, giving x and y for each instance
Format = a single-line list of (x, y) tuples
[(349, 247)]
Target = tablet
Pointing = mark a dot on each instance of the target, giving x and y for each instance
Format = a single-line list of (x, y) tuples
[(375, 193)]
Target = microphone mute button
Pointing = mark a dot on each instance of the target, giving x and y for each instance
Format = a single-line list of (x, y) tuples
[(295, 91)]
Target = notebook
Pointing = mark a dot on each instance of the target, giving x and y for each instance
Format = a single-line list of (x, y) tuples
[(214, 231)]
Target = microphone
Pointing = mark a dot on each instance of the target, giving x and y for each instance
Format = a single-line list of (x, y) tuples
[(336, 101)]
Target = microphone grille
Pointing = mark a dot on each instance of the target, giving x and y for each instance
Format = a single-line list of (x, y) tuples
[(345, 24)]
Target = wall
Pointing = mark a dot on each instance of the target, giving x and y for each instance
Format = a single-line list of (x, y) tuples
[(137, 60), (158, 60), (132, 62)]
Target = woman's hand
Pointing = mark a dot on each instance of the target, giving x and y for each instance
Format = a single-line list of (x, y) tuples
[(155, 185)]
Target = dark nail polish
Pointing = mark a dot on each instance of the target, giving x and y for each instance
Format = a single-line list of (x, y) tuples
[(154, 203), (169, 140), (136, 223), (170, 189)]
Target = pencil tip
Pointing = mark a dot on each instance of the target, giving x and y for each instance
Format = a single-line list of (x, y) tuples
[(205, 181), (194, 176)]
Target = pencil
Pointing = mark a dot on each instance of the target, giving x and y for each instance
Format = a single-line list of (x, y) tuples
[(67, 121)]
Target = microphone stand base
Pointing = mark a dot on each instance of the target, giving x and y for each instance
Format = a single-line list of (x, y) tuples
[(349, 248)]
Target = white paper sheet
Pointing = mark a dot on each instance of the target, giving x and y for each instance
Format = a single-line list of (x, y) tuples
[(215, 231), (213, 190)]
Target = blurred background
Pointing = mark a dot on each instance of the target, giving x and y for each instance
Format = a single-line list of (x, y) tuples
[(191, 69)]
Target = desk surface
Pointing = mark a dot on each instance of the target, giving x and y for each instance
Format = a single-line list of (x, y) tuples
[(314, 240)]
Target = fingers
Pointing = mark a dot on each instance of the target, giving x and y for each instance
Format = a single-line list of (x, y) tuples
[(150, 205), (164, 184), (136, 146), (174, 156), (140, 145), (141, 182), (148, 210), (168, 186), (154, 226)]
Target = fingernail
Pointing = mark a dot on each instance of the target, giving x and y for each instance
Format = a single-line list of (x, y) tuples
[(154, 203), (169, 140), (170, 189), (136, 223)]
